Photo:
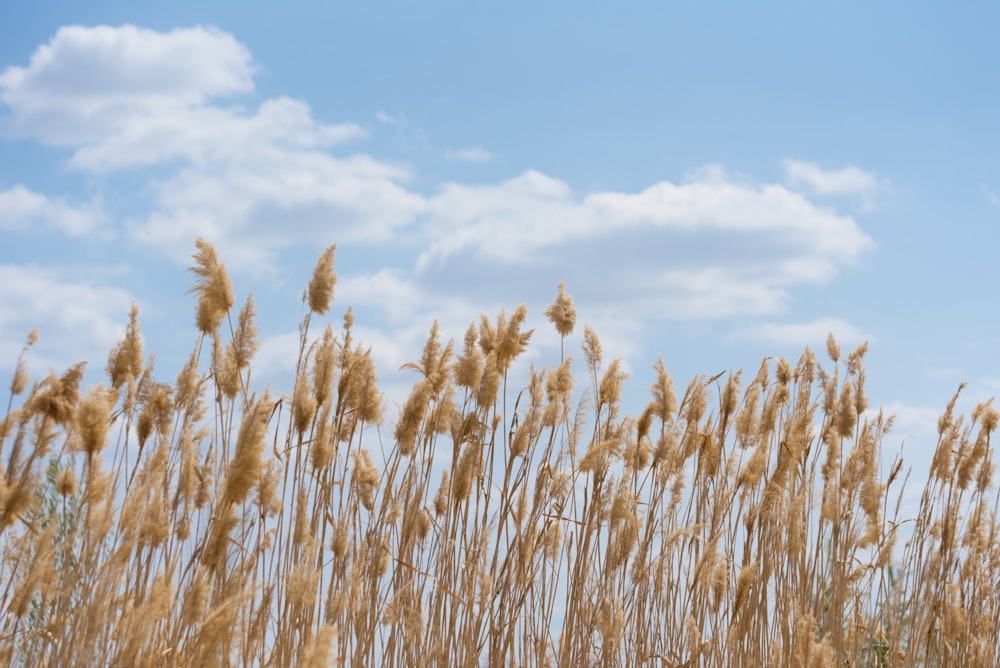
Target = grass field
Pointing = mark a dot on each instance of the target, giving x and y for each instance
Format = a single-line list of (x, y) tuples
[(498, 518)]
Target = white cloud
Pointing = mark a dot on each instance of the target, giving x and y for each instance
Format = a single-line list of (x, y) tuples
[(22, 209), (77, 320), (475, 155), (260, 180), (710, 247), (211, 136), (515, 219), (257, 208), (275, 360), (86, 83), (253, 181), (844, 181), (410, 307), (400, 296), (390, 119), (813, 333)]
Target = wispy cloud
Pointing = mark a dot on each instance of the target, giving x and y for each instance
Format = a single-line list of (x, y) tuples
[(256, 181), (390, 119), (915, 422), (24, 210), (75, 317), (812, 333), (475, 154), (845, 181)]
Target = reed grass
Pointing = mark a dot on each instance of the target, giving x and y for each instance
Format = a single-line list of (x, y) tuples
[(506, 516)]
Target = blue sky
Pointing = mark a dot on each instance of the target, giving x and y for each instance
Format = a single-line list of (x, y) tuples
[(714, 183)]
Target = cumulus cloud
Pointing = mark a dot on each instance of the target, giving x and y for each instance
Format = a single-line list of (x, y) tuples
[(256, 181), (210, 136), (514, 220), (267, 176), (845, 181), (22, 209), (711, 246), (88, 82), (77, 320), (799, 334), (259, 207)]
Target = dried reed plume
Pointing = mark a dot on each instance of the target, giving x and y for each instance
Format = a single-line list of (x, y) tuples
[(508, 515)]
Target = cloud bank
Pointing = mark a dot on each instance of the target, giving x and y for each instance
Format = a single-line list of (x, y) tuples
[(177, 112)]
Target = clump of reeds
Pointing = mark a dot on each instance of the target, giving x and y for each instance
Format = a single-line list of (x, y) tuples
[(506, 516)]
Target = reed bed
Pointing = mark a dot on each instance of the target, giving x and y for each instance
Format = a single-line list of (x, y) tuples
[(506, 515)]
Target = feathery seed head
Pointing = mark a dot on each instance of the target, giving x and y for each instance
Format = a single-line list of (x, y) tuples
[(244, 345), (246, 465), (93, 419), (664, 403), (592, 351), (321, 446), (469, 366), (188, 388), (125, 359), (214, 288), (783, 372), (303, 405), (268, 499), (489, 384), (412, 417), (363, 397), (638, 453), (20, 380), (325, 368), (832, 347), (643, 424), (56, 398), (323, 279), (323, 644), (488, 333), (66, 483), (511, 341), (561, 312), (467, 470), (559, 384), (854, 358), (365, 479), (989, 417), (195, 599), (609, 392), (441, 498), (748, 419), (730, 395), (224, 369), (847, 415)]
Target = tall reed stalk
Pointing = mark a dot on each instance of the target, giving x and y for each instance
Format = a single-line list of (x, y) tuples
[(505, 516)]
